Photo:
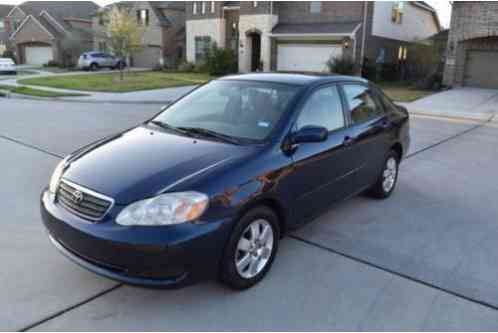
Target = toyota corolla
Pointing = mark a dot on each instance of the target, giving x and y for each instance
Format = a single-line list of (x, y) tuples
[(208, 187)]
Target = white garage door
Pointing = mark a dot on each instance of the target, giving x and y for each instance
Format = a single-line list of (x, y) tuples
[(306, 57), (38, 55)]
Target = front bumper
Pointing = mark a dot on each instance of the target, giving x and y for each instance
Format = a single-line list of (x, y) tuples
[(170, 256)]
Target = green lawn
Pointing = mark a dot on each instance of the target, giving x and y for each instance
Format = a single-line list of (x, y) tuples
[(110, 82), (403, 91), (36, 92)]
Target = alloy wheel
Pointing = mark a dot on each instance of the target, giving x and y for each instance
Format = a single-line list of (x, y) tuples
[(254, 249), (389, 175)]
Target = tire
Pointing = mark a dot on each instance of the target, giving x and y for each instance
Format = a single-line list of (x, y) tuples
[(94, 67), (241, 269), (121, 65), (388, 177)]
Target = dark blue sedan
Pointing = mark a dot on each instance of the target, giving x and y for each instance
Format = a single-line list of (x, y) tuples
[(208, 187)]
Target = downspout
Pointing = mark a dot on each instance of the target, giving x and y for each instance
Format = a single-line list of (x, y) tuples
[(364, 37)]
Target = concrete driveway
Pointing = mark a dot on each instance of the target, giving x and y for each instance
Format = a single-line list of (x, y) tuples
[(424, 259), (475, 103)]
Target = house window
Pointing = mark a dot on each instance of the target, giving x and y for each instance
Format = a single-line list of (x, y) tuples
[(143, 17), (255, 4), (402, 53), (203, 8), (202, 45), (102, 46), (15, 24), (194, 8), (2, 25), (397, 13), (212, 6), (315, 7)]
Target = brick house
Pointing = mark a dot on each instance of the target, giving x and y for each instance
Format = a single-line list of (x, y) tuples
[(302, 36), (164, 36), (472, 52), (4, 36), (44, 31)]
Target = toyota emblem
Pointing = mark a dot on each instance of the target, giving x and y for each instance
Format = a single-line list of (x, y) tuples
[(77, 197)]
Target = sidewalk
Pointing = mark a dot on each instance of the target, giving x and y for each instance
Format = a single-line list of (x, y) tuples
[(157, 96), (472, 103)]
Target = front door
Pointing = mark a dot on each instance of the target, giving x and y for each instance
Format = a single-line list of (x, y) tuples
[(256, 52), (324, 171)]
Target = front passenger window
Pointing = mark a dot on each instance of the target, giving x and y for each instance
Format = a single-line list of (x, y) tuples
[(362, 105), (324, 109)]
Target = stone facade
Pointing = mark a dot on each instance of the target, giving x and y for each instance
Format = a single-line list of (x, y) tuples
[(63, 26), (474, 26), (164, 36), (260, 19)]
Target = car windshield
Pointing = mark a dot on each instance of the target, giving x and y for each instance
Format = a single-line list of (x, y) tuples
[(243, 110)]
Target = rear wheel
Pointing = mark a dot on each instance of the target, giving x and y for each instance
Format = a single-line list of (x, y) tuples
[(251, 249), (386, 183)]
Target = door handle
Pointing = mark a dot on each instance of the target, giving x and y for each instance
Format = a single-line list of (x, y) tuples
[(348, 141), (385, 123)]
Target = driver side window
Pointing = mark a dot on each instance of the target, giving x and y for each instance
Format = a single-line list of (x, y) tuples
[(323, 108)]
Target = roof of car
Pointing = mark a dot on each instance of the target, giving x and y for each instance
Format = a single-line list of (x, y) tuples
[(293, 78)]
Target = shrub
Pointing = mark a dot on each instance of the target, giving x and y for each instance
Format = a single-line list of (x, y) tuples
[(221, 61), (343, 66), (52, 63), (9, 54), (186, 66)]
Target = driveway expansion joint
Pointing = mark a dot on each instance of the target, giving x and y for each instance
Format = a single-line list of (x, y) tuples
[(394, 272), (73, 307), (27, 145)]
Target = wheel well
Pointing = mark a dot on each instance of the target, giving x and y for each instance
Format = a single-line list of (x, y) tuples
[(275, 207), (398, 149)]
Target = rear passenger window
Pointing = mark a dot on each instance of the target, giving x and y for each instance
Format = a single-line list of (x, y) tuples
[(362, 104), (323, 108)]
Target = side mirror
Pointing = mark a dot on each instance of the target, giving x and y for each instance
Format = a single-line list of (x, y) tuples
[(309, 134)]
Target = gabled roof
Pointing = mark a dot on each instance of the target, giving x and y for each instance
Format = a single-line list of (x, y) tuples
[(5, 10), (37, 21), (426, 6), (58, 11)]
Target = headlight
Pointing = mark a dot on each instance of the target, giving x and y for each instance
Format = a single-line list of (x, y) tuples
[(57, 175), (165, 209)]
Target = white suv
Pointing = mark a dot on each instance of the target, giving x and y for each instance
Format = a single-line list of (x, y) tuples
[(95, 60)]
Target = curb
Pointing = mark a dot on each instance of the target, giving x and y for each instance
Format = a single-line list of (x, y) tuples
[(67, 100), (463, 116)]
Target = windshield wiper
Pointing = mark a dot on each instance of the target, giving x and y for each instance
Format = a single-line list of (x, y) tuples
[(208, 133), (167, 126)]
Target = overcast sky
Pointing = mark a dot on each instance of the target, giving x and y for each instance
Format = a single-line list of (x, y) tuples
[(443, 8)]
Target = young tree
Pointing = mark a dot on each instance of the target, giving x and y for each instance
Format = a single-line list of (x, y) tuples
[(124, 34)]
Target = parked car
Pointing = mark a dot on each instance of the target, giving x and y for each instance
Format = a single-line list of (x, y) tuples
[(95, 60), (7, 66), (208, 187)]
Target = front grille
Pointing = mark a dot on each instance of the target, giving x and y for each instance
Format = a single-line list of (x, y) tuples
[(82, 202)]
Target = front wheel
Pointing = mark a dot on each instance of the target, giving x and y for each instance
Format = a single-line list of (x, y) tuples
[(251, 249), (386, 183)]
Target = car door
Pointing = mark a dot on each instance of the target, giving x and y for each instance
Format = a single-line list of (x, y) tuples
[(369, 132), (323, 171)]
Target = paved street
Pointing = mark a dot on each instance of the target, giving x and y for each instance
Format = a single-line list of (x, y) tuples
[(424, 259)]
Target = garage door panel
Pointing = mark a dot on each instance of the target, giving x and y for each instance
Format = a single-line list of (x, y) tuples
[(306, 57), (38, 55), (481, 69), (147, 57)]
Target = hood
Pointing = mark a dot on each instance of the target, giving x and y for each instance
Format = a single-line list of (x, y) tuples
[(143, 162)]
